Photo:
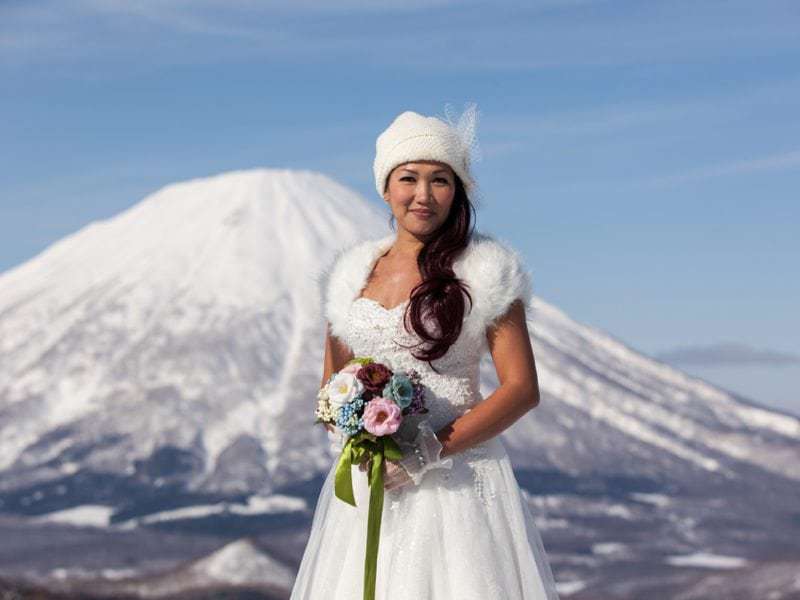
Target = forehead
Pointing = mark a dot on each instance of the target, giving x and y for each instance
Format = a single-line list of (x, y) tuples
[(425, 166)]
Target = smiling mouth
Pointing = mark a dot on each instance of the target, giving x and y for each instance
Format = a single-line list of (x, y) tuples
[(423, 213)]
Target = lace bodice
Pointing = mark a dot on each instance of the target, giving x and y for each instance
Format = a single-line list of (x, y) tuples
[(495, 276), (375, 331)]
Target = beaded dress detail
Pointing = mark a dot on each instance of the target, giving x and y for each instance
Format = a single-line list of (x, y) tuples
[(465, 532)]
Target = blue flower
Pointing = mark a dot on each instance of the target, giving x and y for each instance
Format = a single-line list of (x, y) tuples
[(400, 389), (348, 419)]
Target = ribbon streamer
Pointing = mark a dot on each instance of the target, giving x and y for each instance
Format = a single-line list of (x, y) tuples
[(356, 450)]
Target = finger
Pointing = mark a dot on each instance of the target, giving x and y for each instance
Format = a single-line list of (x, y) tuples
[(395, 484), (399, 478), (392, 481)]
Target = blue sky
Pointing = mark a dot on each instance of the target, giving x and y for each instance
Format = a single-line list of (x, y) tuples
[(644, 156)]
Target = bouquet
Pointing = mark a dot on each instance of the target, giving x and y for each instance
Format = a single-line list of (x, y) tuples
[(367, 401)]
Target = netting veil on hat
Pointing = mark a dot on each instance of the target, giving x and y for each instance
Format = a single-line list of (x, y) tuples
[(412, 136)]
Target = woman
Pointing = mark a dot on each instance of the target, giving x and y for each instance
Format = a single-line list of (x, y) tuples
[(433, 297)]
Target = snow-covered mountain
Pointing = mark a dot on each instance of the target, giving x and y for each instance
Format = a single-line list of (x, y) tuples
[(174, 351), (609, 408), (179, 341)]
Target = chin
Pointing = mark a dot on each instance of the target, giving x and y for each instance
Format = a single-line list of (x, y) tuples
[(424, 230)]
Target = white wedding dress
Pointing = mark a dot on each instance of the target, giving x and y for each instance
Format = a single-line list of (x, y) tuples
[(464, 533)]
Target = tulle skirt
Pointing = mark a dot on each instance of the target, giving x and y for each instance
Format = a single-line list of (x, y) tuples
[(465, 532)]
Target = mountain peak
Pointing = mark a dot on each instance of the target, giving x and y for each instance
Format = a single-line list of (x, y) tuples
[(184, 304)]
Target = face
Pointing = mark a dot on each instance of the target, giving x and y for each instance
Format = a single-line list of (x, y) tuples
[(420, 195)]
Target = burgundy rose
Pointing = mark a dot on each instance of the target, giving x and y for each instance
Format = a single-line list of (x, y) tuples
[(374, 376)]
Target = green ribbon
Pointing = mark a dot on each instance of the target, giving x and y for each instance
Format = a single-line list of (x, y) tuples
[(360, 448)]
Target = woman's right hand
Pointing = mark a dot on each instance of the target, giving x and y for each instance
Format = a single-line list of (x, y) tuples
[(394, 475)]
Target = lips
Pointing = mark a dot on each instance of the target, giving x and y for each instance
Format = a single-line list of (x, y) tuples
[(422, 213)]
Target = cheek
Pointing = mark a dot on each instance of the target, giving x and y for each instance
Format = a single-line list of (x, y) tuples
[(401, 203), (398, 209), (445, 199), (445, 194), (400, 198)]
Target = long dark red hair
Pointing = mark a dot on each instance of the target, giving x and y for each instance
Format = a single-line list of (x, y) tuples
[(440, 294)]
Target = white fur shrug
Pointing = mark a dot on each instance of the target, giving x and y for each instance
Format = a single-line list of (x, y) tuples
[(495, 273)]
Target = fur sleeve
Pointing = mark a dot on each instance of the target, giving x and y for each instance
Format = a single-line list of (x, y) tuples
[(331, 285), (498, 275), (339, 282)]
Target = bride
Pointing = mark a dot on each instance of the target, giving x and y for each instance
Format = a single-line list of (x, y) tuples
[(435, 296)]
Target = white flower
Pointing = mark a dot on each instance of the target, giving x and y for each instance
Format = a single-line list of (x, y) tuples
[(322, 394), (343, 389), (324, 410)]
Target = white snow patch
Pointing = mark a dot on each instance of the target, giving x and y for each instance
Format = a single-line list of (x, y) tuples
[(87, 515), (269, 504), (656, 499), (707, 560), (68, 468), (256, 505), (241, 563), (606, 548), (74, 573), (620, 510), (567, 588), (545, 523)]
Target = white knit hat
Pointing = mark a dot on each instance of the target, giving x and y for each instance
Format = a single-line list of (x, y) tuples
[(413, 137)]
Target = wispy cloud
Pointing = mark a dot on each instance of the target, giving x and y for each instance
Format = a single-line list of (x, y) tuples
[(174, 15), (509, 35), (711, 108), (726, 354), (594, 121), (171, 7), (780, 161), (656, 142)]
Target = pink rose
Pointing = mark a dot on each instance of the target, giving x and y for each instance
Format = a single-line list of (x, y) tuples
[(382, 416)]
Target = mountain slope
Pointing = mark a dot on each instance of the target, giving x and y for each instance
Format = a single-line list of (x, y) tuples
[(608, 407), (188, 322)]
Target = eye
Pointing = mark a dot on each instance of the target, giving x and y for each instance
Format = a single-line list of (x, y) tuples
[(443, 179), (407, 177)]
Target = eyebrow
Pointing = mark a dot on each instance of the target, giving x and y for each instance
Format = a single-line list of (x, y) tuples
[(415, 173)]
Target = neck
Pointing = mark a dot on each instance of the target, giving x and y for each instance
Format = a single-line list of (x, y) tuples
[(406, 244)]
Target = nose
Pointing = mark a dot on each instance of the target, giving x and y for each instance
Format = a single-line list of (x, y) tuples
[(424, 190)]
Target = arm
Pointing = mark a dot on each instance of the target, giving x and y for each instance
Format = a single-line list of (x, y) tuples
[(510, 346), (337, 353)]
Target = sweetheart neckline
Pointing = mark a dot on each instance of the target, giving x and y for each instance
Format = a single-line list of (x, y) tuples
[(381, 306)]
